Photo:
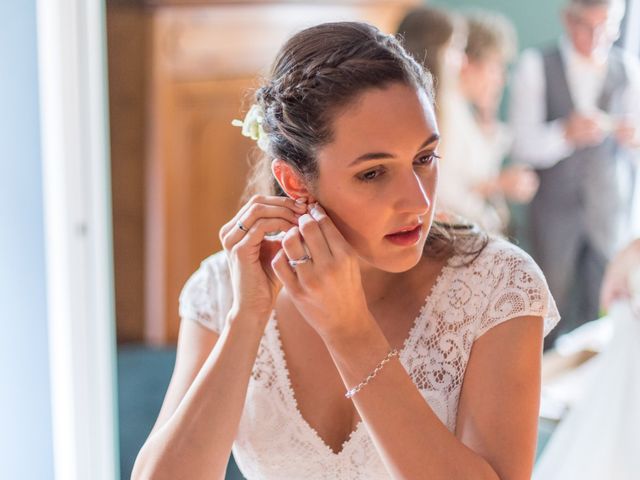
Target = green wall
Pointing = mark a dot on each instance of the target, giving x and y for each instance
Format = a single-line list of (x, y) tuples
[(537, 22)]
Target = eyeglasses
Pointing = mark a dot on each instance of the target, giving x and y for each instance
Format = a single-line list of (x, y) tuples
[(609, 27)]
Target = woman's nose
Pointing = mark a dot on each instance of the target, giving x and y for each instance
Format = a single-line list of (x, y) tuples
[(413, 197)]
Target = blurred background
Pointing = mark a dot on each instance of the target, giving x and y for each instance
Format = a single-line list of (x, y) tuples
[(176, 72)]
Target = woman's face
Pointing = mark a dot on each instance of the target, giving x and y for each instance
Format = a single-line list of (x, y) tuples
[(483, 79), (378, 177)]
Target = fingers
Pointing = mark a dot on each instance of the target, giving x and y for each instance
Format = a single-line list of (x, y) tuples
[(336, 242), (268, 206), (293, 245), (591, 131), (259, 210), (314, 239), (312, 234), (626, 135), (284, 273), (584, 130), (317, 236), (241, 240)]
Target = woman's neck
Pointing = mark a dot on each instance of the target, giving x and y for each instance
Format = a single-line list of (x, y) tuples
[(379, 285)]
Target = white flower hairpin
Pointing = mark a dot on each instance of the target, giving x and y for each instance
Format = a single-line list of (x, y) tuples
[(252, 126)]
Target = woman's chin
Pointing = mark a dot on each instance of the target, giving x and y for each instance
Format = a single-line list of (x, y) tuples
[(404, 265), (398, 262)]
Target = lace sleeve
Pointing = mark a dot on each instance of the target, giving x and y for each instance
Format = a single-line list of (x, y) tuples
[(206, 296), (517, 288)]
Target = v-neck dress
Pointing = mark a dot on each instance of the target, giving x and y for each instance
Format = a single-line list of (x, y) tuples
[(274, 441)]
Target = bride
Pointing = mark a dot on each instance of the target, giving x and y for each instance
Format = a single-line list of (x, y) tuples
[(365, 341)]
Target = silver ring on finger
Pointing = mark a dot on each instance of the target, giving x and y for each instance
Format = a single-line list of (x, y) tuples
[(299, 261), (242, 227)]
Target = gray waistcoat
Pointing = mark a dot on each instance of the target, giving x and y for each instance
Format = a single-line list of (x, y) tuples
[(592, 187)]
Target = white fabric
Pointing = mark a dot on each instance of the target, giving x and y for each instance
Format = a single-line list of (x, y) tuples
[(563, 390), (274, 442), (470, 157), (598, 438), (585, 78), (542, 144)]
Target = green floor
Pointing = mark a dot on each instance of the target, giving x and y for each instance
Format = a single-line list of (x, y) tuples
[(143, 377)]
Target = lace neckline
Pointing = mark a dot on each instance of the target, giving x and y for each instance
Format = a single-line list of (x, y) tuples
[(283, 370)]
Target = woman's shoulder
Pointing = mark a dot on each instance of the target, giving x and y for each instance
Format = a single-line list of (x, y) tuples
[(502, 265), (512, 284), (500, 255), (213, 273), (207, 296), (215, 264)]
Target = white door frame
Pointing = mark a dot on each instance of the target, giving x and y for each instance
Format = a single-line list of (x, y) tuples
[(632, 45), (77, 206), (632, 27)]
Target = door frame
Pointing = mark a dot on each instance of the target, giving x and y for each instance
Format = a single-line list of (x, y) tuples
[(78, 237)]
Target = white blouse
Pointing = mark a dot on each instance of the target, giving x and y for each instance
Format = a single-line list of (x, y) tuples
[(470, 157), (274, 442)]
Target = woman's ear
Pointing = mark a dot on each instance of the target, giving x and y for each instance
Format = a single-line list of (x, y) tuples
[(290, 180)]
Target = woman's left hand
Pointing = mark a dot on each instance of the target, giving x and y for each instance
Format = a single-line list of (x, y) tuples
[(327, 289)]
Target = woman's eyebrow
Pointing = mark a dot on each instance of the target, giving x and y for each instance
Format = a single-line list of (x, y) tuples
[(380, 155)]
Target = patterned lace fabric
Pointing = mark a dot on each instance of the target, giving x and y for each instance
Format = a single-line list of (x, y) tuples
[(275, 442)]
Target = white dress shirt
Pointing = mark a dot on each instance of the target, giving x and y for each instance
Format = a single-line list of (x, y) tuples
[(542, 144)]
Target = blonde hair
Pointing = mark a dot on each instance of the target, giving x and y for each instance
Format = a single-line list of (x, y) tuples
[(490, 32), (426, 32)]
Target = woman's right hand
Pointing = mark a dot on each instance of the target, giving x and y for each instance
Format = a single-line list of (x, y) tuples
[(518, 183), (249, 253)]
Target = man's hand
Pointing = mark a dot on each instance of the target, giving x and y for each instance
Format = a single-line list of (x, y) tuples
[(584, 130), (627, 134)]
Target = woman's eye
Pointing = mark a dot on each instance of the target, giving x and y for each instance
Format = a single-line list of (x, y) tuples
[(370, 175), (428, 159)]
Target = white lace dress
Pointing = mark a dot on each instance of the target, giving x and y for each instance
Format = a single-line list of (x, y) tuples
[(274, 442)]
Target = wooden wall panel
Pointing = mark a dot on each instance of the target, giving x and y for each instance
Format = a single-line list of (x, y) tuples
[(126, 47), (208, 177)]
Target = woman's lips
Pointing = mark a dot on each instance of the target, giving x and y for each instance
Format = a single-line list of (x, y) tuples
[(407, 238)]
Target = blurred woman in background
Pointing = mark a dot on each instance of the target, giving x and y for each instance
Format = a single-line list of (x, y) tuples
[(436, 38), (474, 142)]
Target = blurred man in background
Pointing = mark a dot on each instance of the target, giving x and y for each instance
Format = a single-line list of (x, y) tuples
[(575, 110), (474, 142), (468, 57)]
